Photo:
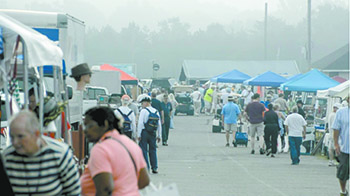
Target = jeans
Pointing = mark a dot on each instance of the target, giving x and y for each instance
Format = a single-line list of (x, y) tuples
[(270, 136), (148, 146), (294, 144), (165, 129)]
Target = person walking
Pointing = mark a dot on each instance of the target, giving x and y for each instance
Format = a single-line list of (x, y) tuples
[(27, 160), (230, 113), (167, 108), (295, 126), (208, 98), (155, 103), (283, 106), (342, 146), (196, 97), (331, 118), (174, 104), (300, 108), (149, 131), (291, 103), (128, 116), (271, 131), (116, 165), (254, 115), (281, 119)]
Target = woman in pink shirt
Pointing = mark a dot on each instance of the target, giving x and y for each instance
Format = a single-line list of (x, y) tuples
[(116, 165)]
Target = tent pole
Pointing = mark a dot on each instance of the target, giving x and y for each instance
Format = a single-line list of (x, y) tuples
[(26, 81), (41, 97)]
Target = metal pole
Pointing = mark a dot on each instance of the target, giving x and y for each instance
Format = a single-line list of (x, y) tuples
[(26, 81), (41, 103), (309, 33), (265, 33)]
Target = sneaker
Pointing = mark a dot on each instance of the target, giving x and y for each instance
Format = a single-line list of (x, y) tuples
[(227, 145), (154, 171), (252, 152), (268, 152), (344, 194), (295, 163), (234, 144), (331, 163), (262, 151), (272, 156)]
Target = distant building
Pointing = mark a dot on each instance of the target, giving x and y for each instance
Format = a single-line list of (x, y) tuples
[(203, 70), (335, 63)]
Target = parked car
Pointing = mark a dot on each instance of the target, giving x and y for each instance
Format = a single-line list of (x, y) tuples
[(185, 104)]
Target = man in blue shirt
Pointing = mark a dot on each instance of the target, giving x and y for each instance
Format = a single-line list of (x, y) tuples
[(341, 144), (230, 112)]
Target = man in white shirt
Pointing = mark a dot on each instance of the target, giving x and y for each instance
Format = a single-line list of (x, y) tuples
[(146, 136), (128, 117), (196, 97), (295, 126), (330, 122)]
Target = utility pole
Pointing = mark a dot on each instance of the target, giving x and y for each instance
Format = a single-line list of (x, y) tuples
[(265, 33), (309, 34)]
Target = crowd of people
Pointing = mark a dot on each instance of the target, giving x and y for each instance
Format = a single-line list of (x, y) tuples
[(128, 137)]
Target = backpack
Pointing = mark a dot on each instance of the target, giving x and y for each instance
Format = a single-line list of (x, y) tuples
[(127, 121), (152, 123)]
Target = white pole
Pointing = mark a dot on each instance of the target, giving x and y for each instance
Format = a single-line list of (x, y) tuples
[(25, 64), (41, 96)]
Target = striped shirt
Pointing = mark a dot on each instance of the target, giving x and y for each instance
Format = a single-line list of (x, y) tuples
[(50, 171), (341, 123)]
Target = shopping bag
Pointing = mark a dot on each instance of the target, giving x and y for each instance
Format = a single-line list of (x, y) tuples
[(171, 123), (279, 144), (152, 190), (286, 146)]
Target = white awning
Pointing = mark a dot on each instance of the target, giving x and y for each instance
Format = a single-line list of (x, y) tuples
[(40, 50)]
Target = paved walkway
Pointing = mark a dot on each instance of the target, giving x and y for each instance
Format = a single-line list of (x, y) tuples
[(200, 164)]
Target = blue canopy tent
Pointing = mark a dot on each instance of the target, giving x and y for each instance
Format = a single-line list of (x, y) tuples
[(294, 77), (233, 76), (268, 78), (310, 82)]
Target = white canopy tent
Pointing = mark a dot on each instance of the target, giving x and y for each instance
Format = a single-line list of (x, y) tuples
[(37, 51), (342, 90)]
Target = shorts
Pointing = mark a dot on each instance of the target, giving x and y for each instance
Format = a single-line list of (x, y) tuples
[(207, 105), (256, 129), (343, 167), (230, 127)]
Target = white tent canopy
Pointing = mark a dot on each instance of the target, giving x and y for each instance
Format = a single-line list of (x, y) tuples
[(342, 90), (40, 50)]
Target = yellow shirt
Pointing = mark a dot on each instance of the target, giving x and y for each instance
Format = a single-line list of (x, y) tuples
[(208, 95)]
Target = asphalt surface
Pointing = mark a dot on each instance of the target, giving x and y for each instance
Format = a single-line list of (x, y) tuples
[(200, 164)]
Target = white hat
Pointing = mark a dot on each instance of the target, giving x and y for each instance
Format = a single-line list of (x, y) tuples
[(337, 105)]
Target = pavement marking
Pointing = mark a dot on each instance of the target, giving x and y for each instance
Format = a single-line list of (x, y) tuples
[(246, 170)]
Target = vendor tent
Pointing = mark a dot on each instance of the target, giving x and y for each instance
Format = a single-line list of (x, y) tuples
[(294, 77), (233, 76), (125, 78), (342, 90), (339, 79), (266, 79), (310, 82)]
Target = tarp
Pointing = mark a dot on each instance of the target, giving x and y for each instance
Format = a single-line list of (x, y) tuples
[(342, 90), (40, 50), (268, 78), (125, 78), (339, 79), (233, 76), (310, 82)]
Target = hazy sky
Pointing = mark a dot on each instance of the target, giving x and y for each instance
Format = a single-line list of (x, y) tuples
[(197, 13)]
